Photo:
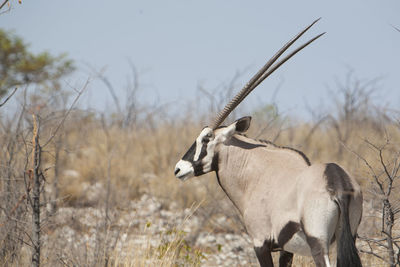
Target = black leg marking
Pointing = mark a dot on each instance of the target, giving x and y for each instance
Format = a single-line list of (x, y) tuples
[(287, 233), (285, 259), (264, 255)]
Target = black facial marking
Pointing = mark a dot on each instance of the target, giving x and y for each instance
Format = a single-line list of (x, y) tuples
[(198, 164), (287, 233), (203, 151), (189, 155), (198, 168)]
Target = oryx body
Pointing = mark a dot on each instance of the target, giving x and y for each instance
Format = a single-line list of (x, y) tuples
[(287, 204)]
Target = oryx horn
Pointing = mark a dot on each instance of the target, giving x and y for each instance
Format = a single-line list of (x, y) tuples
[(263, 73)]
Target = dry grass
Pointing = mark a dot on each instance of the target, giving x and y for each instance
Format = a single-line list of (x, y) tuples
[(169, 249)]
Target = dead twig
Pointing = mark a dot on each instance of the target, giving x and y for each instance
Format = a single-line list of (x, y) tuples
[(3, 4), (67, 113), (8, 98)]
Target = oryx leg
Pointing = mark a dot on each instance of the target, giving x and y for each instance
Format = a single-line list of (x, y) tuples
[(319, 225), (285, 259), (319, 251), (263, 254)]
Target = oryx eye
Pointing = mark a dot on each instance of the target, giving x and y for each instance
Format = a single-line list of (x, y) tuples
[(206, 138)]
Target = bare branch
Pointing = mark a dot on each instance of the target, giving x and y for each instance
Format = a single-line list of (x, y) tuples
[(109, 86), (373, 253), (67, 113), (394, 27), (3, 4), (376, 177), (8, 98), (384, 164)]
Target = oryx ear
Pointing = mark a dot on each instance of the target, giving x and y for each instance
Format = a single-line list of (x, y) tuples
[(239, 126), (243, 124)]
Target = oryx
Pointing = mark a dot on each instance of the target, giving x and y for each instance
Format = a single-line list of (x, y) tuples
[(287, 204)]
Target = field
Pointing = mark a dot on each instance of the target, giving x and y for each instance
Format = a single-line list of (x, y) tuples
[(109, 196)]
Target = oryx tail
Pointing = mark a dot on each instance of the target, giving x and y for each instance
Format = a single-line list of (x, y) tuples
[(347, 255), (343, 193)]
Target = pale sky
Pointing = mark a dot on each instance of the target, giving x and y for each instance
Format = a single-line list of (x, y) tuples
[(178, 44)]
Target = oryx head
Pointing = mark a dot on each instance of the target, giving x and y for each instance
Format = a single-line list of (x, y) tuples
[(201, 156)]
